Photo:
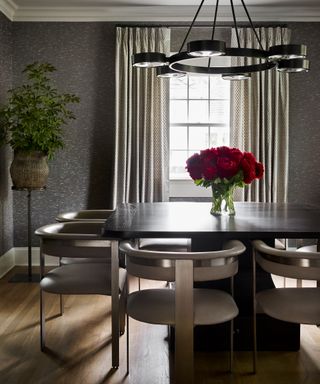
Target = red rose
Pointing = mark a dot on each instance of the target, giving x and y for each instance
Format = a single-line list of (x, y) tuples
[(236, 154), (224, 162), (210, 173), (228, 161), (252, 169), (259, 170), (248, 165), (194, 166), (227, 167), (209, 156)]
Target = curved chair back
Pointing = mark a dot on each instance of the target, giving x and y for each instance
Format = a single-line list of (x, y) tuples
[(95, 215), (293, 264), (74, 239), (160, 265)]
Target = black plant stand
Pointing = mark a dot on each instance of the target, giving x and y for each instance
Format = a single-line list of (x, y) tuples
[(29, 277)]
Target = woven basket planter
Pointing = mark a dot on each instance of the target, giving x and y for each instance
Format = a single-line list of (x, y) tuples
[(29, 170)]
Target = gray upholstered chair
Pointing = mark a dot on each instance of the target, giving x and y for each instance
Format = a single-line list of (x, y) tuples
[(157, 306), (296, 305), (77, 240), (96, 217)]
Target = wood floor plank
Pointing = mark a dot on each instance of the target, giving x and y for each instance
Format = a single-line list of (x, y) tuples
[(79, 349)]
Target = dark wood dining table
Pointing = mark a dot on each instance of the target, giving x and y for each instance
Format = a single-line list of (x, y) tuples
[(193, 220)]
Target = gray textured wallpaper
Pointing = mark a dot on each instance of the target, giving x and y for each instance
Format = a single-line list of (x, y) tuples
[(80, 175), (6, 221), (304, 140)]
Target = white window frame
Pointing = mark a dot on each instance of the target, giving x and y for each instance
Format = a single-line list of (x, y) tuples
[(186, 187)]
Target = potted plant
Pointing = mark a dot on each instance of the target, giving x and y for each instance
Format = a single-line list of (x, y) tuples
[(31, 122)]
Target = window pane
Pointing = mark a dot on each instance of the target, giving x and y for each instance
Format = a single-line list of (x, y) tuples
[(198, 87), (198, 111), (178, 137), (195, 103), (177, 164), (198, 138), (178, 87), (178, 111), (219, 136), (219, 111), (219, 88)]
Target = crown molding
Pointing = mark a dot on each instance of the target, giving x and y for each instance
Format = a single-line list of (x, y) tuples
[(8, 8), (155, 13)]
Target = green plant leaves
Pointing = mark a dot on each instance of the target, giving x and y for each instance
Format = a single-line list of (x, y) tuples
[(35, 113)]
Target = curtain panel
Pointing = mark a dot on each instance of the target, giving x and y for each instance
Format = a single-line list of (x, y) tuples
[(142, 119), (260, 119)]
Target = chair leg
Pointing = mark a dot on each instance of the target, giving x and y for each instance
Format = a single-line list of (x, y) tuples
[(231, 346), (61, 305), (128, 345), (254, 342), (254, 317), (139, 284), (231, 328), (122, 308), (42, 322)]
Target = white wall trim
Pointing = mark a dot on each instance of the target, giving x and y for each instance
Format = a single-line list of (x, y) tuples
[(8, 8), (154, 13), (19, 257), (7, 262)]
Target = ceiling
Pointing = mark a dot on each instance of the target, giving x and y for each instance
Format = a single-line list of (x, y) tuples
[(156, 10)]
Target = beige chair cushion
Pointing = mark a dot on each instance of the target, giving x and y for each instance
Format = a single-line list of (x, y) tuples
[(165, 245), (81, 279), (83, 260), (157, 306), (296, 305), (308, 248)]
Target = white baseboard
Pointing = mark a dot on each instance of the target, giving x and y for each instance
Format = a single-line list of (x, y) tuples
[(7, 262), (19, 256)]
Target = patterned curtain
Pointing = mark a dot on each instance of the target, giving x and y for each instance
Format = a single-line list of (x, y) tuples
[(142, 120), (260, 119)]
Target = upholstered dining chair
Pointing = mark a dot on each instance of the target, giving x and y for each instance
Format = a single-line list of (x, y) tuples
[(96, 217), (160, 306), (100, 216), (88, 215), (77, 240), (297, 305)]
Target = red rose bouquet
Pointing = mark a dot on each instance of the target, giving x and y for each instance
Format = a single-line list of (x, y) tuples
[(224, 169)]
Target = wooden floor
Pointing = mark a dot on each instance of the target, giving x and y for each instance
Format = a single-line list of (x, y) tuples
[(80, 351)]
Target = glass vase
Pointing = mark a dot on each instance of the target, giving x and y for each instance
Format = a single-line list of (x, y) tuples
[(222, 200)]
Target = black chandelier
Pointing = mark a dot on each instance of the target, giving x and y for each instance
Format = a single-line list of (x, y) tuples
[(285, 58)]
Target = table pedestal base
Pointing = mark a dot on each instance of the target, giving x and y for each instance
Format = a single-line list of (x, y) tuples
[(24, 278)]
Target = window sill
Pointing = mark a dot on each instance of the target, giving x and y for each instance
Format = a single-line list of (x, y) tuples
[(187, 188)]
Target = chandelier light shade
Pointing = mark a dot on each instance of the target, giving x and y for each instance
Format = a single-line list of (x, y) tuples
[(206, 48), (236, 76), (289, 51), (189, 60), (166, 72), (294, 65), (149, 59)]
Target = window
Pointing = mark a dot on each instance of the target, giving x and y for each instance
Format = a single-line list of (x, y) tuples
[(199, 119)]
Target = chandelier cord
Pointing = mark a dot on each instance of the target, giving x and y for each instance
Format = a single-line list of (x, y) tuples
[(251, 24), (215, 19), (235, 23), (191, 25)]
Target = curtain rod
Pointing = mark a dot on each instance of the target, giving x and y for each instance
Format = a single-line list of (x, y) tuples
[(199, 26)]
